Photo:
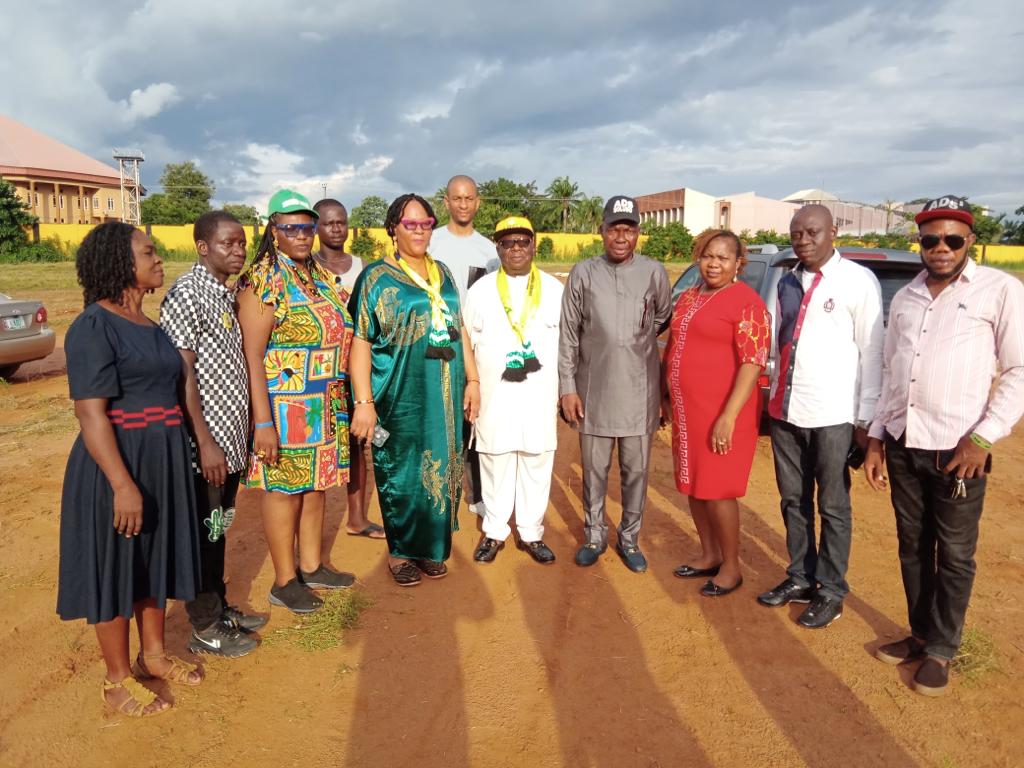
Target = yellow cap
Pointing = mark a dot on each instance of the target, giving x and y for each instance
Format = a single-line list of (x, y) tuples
[(513, 224)]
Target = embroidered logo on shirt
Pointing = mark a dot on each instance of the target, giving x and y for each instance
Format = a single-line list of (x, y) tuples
[(830, 305)]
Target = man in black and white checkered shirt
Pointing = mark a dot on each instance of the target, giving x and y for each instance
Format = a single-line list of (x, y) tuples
[(198, 314)]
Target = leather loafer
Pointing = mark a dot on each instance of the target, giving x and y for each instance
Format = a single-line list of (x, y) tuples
[(589, 553), (633, 558), (931, 677), (821, 612), (685, 571), (710, 589), (907, 649), (539, 551), (787, 592), (487, 550)]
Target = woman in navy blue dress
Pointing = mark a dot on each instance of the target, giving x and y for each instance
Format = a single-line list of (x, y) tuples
[(128, 534)]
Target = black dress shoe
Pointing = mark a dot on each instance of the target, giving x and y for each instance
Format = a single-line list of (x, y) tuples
[(685, 571), (710, 589), (632, 557), (821, 612), (539, 551), (589, 553), (787, 592), (487, 550)]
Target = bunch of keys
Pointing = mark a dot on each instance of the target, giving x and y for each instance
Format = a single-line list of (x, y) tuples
[(959, 489)]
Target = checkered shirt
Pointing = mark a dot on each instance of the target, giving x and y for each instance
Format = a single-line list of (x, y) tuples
[(198, 313)]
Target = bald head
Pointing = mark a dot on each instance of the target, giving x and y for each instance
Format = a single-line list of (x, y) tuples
[(461, 180), (811, 232), (462, 201)]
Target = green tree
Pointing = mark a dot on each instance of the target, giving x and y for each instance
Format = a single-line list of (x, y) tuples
[(247, 214), (186, 196), (987, 228), (14, 217), (586, 214), (671, 242), (564, 193), (366, 247), (545, 249), (1013, 233), (765, 237), (369, 213), (503, 197)]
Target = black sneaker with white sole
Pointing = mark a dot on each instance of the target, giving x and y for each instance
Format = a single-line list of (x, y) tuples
[(222, 639), (296, 597), (247, 622)]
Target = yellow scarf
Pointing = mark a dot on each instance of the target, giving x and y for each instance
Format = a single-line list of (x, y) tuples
[(442, 327), (523, 361)]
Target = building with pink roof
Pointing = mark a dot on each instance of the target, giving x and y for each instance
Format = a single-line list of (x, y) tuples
[(60, 185)]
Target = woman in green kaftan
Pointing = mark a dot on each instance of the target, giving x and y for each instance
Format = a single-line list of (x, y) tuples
[(413, 375)]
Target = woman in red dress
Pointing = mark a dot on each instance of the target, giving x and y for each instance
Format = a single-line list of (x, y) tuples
[(718, 346)]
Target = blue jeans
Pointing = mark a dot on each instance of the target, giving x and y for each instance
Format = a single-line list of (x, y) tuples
[(805, 459)]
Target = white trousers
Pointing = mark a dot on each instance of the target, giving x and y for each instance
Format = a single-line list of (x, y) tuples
[(519, 482)]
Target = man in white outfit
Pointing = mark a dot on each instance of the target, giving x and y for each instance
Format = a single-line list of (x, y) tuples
[(512, 319)]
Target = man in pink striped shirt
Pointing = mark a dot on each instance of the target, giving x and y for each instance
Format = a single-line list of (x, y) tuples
[(953, 330)]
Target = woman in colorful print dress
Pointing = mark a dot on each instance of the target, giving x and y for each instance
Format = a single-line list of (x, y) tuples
[(128, 530), (718, 345), (413, 373), (296, 333)]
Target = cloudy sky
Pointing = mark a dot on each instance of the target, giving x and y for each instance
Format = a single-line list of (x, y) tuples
[(870, 101)]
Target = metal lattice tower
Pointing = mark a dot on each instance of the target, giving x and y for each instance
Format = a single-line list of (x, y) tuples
[(128, 163)]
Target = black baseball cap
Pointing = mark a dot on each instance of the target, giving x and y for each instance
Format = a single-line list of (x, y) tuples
[(621, 208)]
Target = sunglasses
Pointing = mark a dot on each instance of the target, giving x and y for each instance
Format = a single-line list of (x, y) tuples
[(955, 242), (508, 243), (423, 225), (291, 231)]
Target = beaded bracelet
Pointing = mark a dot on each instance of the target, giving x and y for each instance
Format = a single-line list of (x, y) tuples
[(980, 441), (264, 424)]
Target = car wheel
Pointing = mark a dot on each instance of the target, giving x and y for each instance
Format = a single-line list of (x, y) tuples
[(6, 371)]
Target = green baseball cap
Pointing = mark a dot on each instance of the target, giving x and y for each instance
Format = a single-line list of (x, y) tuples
[(290, 201)]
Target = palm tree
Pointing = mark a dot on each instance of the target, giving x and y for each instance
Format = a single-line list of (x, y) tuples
[(565, 192), (585, 215)]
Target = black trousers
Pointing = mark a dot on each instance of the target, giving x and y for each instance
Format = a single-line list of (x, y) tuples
[(938, 536), (809, 459), (215, 506)]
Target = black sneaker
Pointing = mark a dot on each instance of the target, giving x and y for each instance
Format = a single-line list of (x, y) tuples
[(222, 639), (247, 622), (296, 597), (326, 578), (821, 612), (787, 592)]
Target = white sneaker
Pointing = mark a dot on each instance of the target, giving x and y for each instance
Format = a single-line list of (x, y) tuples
[(478, 508)]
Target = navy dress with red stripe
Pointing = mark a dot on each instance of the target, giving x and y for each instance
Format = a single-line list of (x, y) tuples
[(137, 370)]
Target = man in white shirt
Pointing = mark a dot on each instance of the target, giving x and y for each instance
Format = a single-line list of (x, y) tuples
[(512, 319), (468, 256), (825, 386)]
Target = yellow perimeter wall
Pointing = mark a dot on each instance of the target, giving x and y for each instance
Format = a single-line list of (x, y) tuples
[(567, 246)]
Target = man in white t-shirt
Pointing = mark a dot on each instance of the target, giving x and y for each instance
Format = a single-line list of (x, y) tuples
[(332, 229), (468, 255), (512, 318)]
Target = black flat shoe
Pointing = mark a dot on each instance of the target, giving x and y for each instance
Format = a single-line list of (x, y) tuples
[(710, 589), (685, 571)]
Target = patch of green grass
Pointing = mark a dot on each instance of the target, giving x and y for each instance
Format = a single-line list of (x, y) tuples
[(325, 628), (977, 656)]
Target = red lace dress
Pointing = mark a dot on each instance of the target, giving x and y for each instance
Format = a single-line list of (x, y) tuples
[(711, 336)]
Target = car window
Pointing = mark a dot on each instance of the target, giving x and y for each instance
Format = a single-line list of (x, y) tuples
[(753, 275), (891, 281)]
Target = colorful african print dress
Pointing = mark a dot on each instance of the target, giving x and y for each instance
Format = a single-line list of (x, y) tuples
[(419, 401), (307, 378), (712, 335)]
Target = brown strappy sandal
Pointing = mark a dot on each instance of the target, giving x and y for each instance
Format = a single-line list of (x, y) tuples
[(139, 698), (180, 671)]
